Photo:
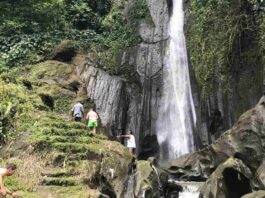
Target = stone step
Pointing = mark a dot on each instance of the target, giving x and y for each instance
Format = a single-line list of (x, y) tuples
[(68, 139), (64, 125), (60, 181), (61, 172), (67, 159), (73, 148), (65, 132)]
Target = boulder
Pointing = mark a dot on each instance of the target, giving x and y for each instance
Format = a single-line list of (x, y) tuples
[(245, 141), (257, 194), (230, 179), (260, 174), (147, 181), (65, 51)]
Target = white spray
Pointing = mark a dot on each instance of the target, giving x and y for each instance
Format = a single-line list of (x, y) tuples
[(177, 116)]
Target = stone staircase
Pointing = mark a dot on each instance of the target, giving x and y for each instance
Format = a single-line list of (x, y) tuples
[(69, 143)]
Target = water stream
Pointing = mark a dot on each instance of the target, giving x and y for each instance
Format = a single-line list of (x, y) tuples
[(129, 187), (190, 189), (177, 117)]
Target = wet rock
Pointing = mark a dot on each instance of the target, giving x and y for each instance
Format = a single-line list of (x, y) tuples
[(146, 180), (149, 147), (232, 179), (245, 141), (260, 174), (257, 194)]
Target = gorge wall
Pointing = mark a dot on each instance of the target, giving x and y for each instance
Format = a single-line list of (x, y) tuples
[(226, 78)]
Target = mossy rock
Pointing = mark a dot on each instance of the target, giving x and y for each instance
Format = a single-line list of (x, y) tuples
[(255, 194), (50, 70), (65, 51), (62, 181)]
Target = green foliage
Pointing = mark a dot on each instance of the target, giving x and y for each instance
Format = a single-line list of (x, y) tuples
[(14, 103), (215, 34), (30, 16), (30, 48), (28, 34), (82, 16), (139, 11), (119, 34)]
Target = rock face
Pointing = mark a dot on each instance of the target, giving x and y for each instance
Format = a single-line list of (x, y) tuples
[(147, 58), (245, 142), (257, 194), (109, 95), (123, 105)]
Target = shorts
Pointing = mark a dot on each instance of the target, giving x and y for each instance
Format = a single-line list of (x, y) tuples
[(92, 123), (78, 119)]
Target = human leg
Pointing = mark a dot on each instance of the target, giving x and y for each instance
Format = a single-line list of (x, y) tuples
[(93, 124)]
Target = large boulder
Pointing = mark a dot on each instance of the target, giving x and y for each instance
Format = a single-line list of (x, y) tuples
[(230, 179), (245, 141), (65, 51), (147, 181), (257, 194), (260, 174)]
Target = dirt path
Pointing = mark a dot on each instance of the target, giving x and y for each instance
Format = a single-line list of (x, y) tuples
[(44, 192)]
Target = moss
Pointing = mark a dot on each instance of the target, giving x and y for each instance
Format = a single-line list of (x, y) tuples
[(218, 34), (120, 33), (72, 191), (50, 70), (60, 143), (65, 51), (62, 181), (15, 103)]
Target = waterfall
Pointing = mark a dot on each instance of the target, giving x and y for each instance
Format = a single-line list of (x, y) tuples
[(177, 118)]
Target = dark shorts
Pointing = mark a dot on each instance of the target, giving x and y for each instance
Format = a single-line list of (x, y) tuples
[(78, 119)]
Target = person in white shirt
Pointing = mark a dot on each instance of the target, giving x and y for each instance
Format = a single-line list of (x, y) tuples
[(130, 141)]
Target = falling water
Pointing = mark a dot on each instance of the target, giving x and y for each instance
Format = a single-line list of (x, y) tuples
[(189, 189), (177, 116)]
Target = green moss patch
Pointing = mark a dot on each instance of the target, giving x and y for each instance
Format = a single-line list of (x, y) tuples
[(221, 35)]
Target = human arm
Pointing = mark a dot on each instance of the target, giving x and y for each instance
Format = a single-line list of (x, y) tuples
[(82, 111), (126, 136), (3, 189), (72, 111)]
